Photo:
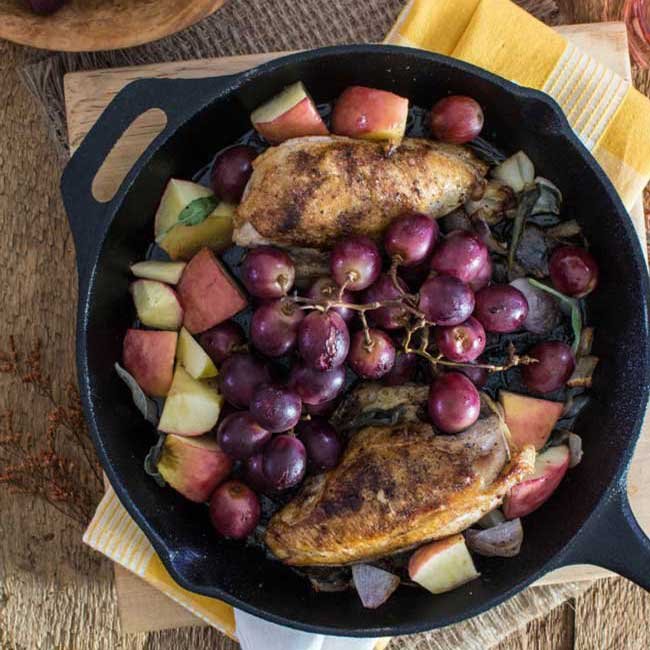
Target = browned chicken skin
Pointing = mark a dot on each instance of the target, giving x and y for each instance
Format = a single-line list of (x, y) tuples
[(397, 487), (312, 191)]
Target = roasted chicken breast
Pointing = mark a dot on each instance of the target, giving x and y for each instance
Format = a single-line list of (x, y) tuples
[(312, 191), (397, 487)]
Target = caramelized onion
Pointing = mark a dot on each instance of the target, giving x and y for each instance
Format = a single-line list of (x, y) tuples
[(503, 540), (373, 585)]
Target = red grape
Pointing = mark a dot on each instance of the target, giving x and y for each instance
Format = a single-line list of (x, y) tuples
[(267, 272), (464, 342), (483, 277), (383, 289), (45, 7), (219, 341), (373, 360), (478, 376), (323, 340), (239, 376), (554, 367), (355, 262), (411, 238), (462, 255), (234, 510), (316, 387), (501, 308), (325, 289), (573, 270), (324, 408), (241, 436), (456, 119), (274, 327), (321, 442), (276, 408), (454, 402), (284, 461), (403, 369), (445, 300), (543, 308), (253, 473), (415, 275), (231, 170)]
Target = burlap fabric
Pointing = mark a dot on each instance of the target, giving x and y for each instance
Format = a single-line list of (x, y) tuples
[(249, 26)]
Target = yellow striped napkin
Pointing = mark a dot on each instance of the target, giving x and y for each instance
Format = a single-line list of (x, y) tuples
[(113, 533), (611, 118)]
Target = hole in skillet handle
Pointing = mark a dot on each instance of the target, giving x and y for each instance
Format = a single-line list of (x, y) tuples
[(89, 218), (612, 538), (125, 152)]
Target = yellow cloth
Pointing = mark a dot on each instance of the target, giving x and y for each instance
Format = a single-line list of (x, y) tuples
[(611, 118)]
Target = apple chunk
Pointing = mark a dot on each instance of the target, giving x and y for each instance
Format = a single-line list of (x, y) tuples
[(530, 419), (215, 232), (290, 114), (157, 304), (370, 114), (527, 496), (208, 293), (191, 408), (177, 196), (193, 357), (169, 272), (193, 466), (149, 356), (443, 565)]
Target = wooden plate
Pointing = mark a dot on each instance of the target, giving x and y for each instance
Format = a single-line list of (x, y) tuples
[(89, 25)]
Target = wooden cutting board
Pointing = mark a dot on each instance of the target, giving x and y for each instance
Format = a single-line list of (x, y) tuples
[(88, 93)]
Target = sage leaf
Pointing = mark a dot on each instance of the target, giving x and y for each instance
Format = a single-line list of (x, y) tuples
[(524, 208), (144, 404), (194, 213), (152, 458), (572, 303)]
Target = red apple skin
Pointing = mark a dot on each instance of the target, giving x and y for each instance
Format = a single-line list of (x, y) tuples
[(530, 419), (149, 356), (527, 496), (193, 466), (208, 294), (300, 120), (370, 113)]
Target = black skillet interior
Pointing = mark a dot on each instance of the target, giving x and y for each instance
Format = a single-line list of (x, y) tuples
[(577, 524)]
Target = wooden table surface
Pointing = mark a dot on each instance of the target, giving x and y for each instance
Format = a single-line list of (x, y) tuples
[(55, 594)]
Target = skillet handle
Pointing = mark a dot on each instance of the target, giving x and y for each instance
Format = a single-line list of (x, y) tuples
[(613, 539), (89, 219)]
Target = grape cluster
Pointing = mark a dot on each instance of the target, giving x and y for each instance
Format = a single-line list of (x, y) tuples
[(367, 317)]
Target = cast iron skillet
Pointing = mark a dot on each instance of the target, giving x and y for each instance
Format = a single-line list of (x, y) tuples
[(588, 520)]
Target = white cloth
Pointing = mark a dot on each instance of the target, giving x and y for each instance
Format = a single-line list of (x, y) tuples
[(255, 634)]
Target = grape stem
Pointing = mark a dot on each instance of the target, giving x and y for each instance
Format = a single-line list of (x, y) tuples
[(397, 260)]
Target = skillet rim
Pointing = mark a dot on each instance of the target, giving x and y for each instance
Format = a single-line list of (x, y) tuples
[(231, 84)]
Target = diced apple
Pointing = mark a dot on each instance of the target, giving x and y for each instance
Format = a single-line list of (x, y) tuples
[(370, 114), (149, 356), (193, 466), (157, 304), (527, 496), (191, 408), (530, 419), (290, 114), (208, 293), (182, 242), (177, 196), (443, 565), (169, 272), (193, 358)]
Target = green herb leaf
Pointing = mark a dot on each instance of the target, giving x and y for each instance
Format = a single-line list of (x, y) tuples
[(193, 213), (576, 314), (152, 458), (524, 208)]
